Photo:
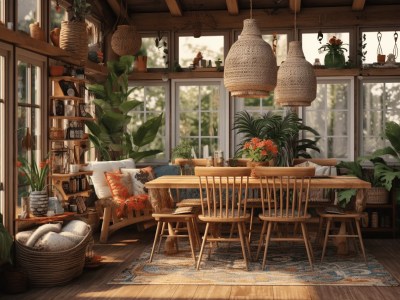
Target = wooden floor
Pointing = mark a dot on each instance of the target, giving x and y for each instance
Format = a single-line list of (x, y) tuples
[(128, 243)]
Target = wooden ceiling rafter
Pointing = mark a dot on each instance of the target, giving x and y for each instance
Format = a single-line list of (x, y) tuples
[(233, 7), (174, 8), (295, 5), (358, 5)]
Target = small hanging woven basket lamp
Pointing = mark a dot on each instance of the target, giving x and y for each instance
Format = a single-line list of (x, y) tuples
[(297, 83), (126, 40), (250, 67)]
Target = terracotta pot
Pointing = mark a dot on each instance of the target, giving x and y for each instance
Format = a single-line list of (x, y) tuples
[(141, 63), (55, 37)]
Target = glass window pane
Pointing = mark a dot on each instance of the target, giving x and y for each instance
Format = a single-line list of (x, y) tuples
[(337, 147), (189, 124), (337, 123), (311, 45), (156, 56), (387, 42), (28, 13), (281, 45), (209, 97), (57, 14), (188, 98), (2, 11), (211, 47)]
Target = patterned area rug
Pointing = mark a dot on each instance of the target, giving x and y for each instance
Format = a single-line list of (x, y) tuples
[(285, 266)]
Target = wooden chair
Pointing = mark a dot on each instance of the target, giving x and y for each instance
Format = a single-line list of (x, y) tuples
[(284, 194), (224, 202)]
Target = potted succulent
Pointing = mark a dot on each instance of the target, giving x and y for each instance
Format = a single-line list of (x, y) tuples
[(73, 35)]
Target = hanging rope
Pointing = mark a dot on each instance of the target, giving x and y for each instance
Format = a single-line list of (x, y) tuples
[(395, 49), (295, 20), (379, 37), (251, 9)]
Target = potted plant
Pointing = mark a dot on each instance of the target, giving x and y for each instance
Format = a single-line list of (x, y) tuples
[(283, 131), (182, 152), (335, 58), (73, 35), (108, 132), (141, 60)]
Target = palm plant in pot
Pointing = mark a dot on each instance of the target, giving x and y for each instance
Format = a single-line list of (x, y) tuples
[(283, 131), (73, 35)]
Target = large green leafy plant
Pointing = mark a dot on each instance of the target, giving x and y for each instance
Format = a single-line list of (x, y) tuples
[(284, 131), (109, 133), (388, 174)]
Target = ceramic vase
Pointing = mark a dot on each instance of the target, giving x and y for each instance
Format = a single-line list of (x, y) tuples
[(38, 203)]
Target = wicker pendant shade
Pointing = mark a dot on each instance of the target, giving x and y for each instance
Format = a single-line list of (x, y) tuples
[(297, 84), (250, 66), (126, 40)]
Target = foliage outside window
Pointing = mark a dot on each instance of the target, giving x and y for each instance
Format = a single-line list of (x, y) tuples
[(380, 104), (310, 44), (387, 44), (57, 16), (199, 114), (211, 47), (154, 98), (28, 12), (330, 114), (155, 55)]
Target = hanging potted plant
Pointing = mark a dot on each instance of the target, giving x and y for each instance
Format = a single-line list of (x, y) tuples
[(73, 35), (141, 60)]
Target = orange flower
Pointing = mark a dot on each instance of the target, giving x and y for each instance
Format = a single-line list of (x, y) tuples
[(42, 164), (19, 164), (259, 150)]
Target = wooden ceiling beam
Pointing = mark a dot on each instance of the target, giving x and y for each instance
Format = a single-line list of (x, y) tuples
[(174, 8), (118, 10), (295, 5), (358, 4), (233, 7)]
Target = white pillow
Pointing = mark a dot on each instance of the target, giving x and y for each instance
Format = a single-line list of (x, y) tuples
[(76, 239), (319, 170), (23, 236), (98, 178), (52, 241), (40, 231), (76, 227)]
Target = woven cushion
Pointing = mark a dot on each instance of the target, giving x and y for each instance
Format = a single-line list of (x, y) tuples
[(139, 178), (40, 231), (99, 181)]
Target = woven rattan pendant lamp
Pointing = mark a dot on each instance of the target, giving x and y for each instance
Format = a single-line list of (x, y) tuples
[(297, 83), (250, 66)]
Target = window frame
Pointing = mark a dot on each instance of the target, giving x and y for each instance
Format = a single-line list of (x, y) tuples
[(166, 117), (223, 110), (350, 109), (170, 46)]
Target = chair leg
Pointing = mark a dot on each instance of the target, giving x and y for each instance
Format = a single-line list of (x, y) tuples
[(247, 241), (242, 243), (202, 245), (360, 238), (260, 242), (266, 245), (307, 244), (230, 235), (161, 233), (155, 241), (196, 233), (328, 225), (251, 223), (190, 234), (318, 238)]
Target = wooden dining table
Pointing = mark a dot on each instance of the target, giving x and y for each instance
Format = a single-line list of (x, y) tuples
[(161, 198)]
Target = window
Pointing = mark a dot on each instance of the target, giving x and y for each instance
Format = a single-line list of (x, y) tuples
[(380, 104), (30, 96), (201, 114), (28, 12), (331, 115), (387, 44), (57, 15), (155, 98), (211, 47), (156, 56), (2, 11), (281, 45), (311, 45)]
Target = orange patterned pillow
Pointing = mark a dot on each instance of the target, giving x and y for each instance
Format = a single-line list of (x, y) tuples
[(120, 184)]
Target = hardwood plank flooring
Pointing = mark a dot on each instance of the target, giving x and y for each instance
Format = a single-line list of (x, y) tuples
[(128, 243)]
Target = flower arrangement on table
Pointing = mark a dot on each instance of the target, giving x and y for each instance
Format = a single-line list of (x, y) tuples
[(35, 175), (335, 56), (260, 150)]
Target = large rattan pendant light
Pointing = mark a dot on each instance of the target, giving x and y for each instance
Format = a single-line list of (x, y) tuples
[(250, 66), (297, 84)]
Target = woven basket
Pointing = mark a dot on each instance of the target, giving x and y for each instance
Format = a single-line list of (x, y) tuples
[(126, 40), (73, 38), (46, 269), (377, 195), (36, 32)]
